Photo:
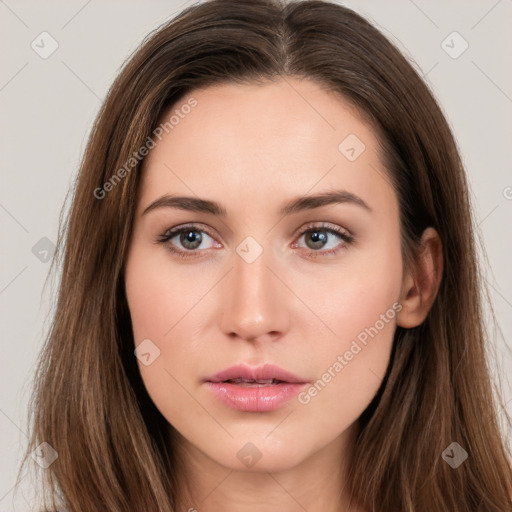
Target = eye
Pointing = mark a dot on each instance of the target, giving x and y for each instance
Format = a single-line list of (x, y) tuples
[(323, 240), (188, 240), (191, 240)]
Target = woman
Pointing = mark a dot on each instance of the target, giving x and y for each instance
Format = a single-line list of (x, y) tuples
[(269, 297)]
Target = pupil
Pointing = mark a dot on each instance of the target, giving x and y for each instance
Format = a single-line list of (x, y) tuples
[(318, 239), (191, 239)]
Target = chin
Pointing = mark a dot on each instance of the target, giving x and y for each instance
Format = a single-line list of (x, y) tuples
[(255, 453)]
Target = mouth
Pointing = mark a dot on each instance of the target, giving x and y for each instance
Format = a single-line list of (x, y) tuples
[(261, 389)]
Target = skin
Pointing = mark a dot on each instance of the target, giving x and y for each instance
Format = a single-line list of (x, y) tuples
[(252, 148)]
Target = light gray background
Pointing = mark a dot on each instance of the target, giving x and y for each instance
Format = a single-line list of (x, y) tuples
[(48, 106)]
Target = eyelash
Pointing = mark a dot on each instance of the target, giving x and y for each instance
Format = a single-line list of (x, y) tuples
[(168, 235)]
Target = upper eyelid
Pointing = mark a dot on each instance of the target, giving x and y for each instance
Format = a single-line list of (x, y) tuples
[(191, 226), (329, 226)]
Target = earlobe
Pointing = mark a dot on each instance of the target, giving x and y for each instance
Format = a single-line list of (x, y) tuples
[(420, 286)]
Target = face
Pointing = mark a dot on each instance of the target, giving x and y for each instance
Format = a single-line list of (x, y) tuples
[(286, 253)]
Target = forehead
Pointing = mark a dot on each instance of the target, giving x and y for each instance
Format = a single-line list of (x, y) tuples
[(247, 144)]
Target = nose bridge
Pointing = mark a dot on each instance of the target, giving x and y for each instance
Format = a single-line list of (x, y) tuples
[(255, 305)]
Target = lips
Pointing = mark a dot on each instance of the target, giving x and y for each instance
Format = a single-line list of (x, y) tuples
[(261, 389)]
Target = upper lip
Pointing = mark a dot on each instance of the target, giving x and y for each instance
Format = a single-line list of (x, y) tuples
[(265, 372)]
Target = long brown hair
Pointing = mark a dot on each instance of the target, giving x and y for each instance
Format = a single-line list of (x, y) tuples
[(114, 448)]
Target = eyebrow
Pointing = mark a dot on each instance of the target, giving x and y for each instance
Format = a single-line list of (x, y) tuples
[(195, 204)]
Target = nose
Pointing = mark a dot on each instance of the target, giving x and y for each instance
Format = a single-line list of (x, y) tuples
[(255, 306)]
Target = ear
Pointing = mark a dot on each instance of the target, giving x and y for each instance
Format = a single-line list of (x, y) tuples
[(420, 285)]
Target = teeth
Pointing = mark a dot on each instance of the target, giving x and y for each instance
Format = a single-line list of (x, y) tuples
[(264, 382)]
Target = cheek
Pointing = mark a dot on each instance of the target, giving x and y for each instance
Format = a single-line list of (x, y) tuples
[(361, 292), (351, 367), (360, 305), (166, 306), (159, 297)]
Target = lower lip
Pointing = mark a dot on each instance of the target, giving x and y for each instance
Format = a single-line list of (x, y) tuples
[(255, 398)]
